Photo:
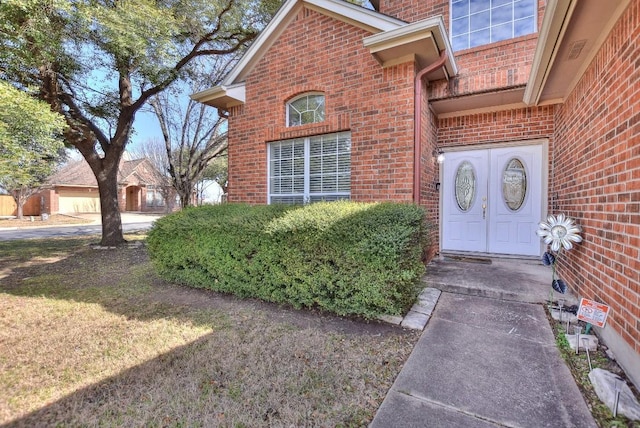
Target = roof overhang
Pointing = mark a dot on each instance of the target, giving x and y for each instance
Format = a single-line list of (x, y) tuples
[(422, 41), (83, 186), (223, 97), (571, 35), (479, 103)]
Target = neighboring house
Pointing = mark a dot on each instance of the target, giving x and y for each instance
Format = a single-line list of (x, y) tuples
[(74, 189), (535, 105)]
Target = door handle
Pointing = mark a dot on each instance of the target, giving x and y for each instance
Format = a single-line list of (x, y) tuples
[(484, 208)]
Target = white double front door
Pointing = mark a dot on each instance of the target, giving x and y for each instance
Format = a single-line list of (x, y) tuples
[(492, 200)]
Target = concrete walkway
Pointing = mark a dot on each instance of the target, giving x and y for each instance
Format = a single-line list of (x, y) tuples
[(487, 357), (127, 217)]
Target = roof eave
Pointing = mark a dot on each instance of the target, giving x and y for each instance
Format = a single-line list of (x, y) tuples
[(358, 16), (424, 39), (557, 15), (221, 96), (572, 34)]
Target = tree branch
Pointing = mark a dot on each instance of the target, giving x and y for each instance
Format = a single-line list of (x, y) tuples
[(241, 39)]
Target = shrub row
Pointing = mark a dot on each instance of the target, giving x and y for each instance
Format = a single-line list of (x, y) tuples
[(345, 257)]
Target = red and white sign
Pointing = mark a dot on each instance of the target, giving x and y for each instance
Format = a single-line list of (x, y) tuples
[(593, 312)]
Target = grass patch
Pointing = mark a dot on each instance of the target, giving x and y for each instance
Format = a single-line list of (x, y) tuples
[(579, 367), (94, 337)]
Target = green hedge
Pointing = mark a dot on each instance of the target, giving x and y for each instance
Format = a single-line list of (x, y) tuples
[(345, 257)]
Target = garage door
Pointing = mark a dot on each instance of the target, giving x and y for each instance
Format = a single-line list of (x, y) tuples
[(79, 201)]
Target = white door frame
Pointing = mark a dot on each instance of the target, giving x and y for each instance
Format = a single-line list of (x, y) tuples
[(543, 142)]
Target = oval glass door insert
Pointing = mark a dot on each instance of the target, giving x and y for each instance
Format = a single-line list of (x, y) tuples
[(514, 184), (465, 186)]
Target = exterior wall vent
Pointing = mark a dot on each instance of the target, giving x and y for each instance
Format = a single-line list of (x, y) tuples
[(575, 49)]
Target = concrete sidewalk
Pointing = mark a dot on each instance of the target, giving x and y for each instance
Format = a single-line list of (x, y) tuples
[(484, 361), (127, 217)]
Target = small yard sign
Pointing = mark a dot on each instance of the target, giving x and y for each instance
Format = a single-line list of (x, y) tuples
[(593, 312)]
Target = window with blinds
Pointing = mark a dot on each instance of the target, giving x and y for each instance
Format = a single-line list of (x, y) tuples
[(310, 169)]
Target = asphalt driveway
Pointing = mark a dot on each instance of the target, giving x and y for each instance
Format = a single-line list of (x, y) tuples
[(131, 222)]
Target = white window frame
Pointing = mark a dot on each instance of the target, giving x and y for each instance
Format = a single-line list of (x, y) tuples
[(513, 21), (157, 199), (307, 196), (305, 95)]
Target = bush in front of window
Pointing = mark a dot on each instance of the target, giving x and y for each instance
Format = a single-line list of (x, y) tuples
[(345, 257)]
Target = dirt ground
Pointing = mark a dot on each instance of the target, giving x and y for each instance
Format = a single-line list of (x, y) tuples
[(53, 220)]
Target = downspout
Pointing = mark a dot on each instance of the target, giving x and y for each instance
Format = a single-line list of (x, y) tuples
[(417, 130)]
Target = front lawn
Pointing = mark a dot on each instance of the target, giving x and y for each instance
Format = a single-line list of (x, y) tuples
[(94, 337)]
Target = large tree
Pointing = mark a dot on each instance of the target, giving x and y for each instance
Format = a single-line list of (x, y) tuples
[(30, 143), (97, 62)]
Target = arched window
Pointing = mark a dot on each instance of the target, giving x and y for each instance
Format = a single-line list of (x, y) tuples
[(307, 108)]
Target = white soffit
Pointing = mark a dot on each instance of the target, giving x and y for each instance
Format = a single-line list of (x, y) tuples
[(422, 40), (478, 103), (223, 97), (572, 33)]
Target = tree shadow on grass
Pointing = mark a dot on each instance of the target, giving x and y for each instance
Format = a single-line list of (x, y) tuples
[(286, 382), (236, 361)]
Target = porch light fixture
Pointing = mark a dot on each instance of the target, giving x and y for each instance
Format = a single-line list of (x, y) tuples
[(439, 155)]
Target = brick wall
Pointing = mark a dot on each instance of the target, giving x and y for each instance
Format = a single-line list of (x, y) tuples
[(499, 65), (415, 10), (429, 189), (596, 177), (503, 126), (319, 53)]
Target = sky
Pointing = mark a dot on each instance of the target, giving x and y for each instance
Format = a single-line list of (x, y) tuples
[(145, 127)]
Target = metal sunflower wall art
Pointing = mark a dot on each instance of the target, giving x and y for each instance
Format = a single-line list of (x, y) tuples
[(559, 233)]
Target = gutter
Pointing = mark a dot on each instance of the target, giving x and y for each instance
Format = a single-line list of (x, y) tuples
[(556, 17), (417, 134)]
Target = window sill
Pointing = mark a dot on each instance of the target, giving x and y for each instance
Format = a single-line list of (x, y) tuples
[(337, 123), (495, 45)]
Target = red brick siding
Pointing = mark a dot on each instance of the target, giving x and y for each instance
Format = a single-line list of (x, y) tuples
[(502, 126), (499, 65), (415, 10), (319, 53), (429, 193), (596, 177)]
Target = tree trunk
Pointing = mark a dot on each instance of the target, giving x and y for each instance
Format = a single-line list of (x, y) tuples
[(109, 208), (185, 191), (18, 197), (19, 213), (185, 199)]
